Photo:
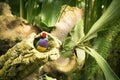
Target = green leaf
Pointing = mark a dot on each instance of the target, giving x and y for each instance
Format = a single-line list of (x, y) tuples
[(50, 11), (31, 9), (80, 57), (21, 8), (109, 74), (49, 78), (78, 32), (111, 14), (72, 41), (105, 39), (67, 48)]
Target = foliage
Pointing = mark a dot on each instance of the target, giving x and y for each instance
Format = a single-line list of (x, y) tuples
[(97, 26), (97, 18), (109, 74)]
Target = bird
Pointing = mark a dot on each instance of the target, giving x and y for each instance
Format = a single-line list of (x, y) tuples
[(42, 43)]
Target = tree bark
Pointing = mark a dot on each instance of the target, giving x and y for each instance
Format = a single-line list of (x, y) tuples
[(23, 59)]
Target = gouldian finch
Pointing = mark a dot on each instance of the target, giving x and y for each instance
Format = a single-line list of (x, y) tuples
[(42, 44)]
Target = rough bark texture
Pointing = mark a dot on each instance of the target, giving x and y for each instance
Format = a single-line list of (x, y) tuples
[(12, 29), (20, 58), (67, 21), (23, 59)]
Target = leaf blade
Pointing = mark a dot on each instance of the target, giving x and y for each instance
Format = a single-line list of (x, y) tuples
[(80, 57), (49, 12), (109, 74), (112, 13)]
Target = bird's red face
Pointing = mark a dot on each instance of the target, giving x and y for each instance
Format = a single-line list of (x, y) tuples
[(43, 35)]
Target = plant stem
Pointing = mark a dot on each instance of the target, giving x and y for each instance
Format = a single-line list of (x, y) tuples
[(21, 8)]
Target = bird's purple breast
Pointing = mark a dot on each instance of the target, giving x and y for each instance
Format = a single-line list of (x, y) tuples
[(43, 43)]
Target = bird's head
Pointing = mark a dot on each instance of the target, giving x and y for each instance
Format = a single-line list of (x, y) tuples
[(43, 35)]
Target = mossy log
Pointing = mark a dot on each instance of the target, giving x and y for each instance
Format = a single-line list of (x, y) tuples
[(23, 58)]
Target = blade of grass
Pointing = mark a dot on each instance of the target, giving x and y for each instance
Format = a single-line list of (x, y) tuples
[(108, 72)]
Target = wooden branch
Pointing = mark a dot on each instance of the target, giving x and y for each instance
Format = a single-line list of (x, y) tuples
[(23, 59)]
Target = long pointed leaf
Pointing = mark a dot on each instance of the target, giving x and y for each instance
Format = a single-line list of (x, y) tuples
[(111, 14), (109, 74), (78, 31)]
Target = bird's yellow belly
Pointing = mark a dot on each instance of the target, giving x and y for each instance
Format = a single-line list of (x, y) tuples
[(42, 49)]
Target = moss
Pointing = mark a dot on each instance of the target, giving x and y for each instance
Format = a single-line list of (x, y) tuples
[(114, 58)]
